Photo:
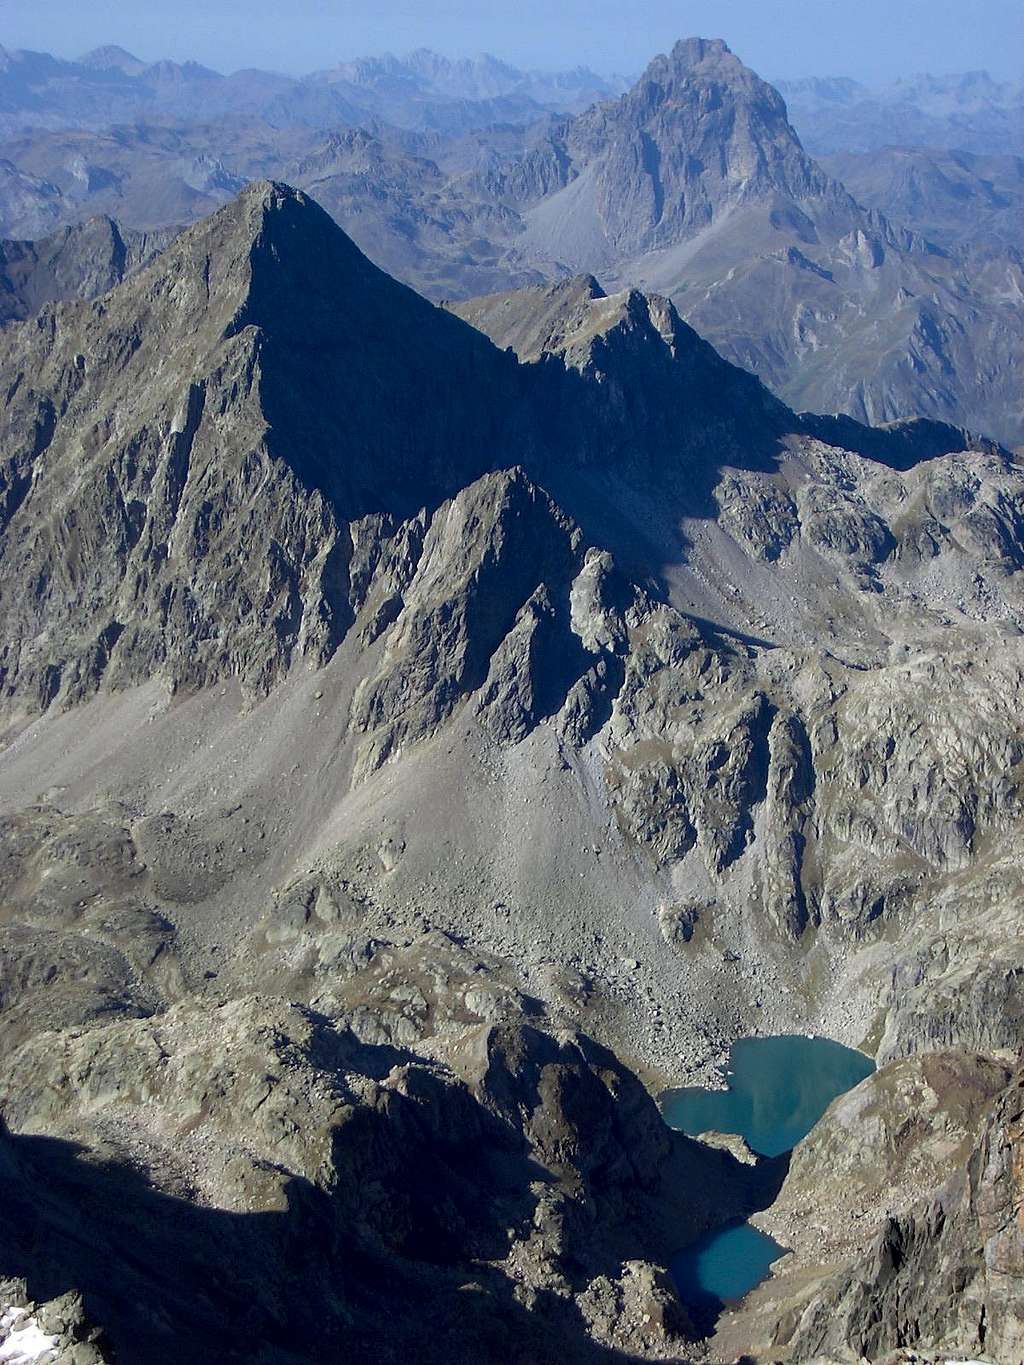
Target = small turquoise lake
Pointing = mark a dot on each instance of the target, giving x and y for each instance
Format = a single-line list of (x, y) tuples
[(778, 1089), (725, 1263)]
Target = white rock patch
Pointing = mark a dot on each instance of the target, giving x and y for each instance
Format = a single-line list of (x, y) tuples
[(22, 1340)]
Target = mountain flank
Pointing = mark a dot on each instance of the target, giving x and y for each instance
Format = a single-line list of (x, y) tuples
[(421, 747)]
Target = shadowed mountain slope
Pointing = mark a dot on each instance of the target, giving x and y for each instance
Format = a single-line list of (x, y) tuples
[(388, 715), (165, 413), (76, 263), (341, 417)]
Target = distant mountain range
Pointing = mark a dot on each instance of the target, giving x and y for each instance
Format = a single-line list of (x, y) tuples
[(423, 90), (970, 112), (894, 295), (953, 198)]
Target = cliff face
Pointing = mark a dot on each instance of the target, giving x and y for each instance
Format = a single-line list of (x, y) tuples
[(77, 262), (945, 1276), (165, 422), (699, 136)]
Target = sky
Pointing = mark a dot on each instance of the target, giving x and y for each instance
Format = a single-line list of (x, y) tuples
[(872, 40)]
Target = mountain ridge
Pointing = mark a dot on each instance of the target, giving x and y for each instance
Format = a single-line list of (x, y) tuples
[(400, 731), (694, 185)]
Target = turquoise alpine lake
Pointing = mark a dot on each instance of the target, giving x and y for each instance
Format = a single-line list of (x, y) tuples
[(725, 1263), (778, 1089)]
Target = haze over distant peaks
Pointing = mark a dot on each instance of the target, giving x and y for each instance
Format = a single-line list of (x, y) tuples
[(969, 111), (112, 58), (470, 177)]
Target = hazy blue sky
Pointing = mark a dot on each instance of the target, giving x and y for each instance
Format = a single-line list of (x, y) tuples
[(872, 39)]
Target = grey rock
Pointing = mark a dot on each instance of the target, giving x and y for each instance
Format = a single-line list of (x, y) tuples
[(381, 685), (942, 1277)]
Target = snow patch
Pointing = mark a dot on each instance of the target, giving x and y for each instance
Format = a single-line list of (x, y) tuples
[(23, 1341)]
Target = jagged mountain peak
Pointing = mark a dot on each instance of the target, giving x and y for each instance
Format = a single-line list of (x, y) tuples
[(628, 386), (696, 49), (434, 65), (705, 75), (536, 320), (709, 68), (260, 387), (688, 55), (235, 403), (699, 135), (270, 258), (573, 317)]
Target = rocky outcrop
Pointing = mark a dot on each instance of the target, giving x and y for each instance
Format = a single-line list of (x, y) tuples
[(529, 1165), (477, 614), (79, 262), (53, 1333), (945, 1277), (79, 926)]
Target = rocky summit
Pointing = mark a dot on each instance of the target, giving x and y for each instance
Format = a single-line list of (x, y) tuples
[(695, 184), (886, 286), (430, 732)]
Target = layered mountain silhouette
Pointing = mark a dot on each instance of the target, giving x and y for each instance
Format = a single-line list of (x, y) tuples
[(693, 185), (954, 198), (970, 112), (419, 90)]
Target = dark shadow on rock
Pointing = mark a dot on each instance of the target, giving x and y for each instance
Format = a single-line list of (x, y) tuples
[(899, 445), (169, 1279), (715, 635), (339, 1050), (705, 1308)]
